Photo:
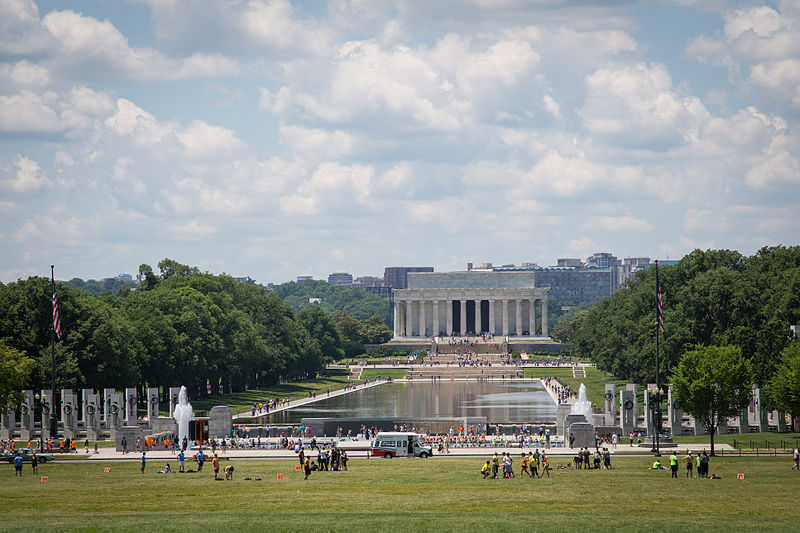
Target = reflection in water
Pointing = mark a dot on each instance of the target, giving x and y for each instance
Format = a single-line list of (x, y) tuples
[(498, 401)]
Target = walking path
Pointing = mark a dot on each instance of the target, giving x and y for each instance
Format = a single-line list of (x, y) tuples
[(358, 448)]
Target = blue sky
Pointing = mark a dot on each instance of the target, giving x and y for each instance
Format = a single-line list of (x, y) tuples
[(272, 138)]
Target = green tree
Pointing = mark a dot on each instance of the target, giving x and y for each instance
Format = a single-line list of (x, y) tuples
[(15, 367), (784, 390), (375, 331), (713, 383), (352, 331), (322, 328)]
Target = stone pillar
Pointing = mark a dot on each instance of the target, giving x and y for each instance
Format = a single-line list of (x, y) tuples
[(107, 397), (131, 407), (152, 404), (26, 410), (610, 411), (396, 322), (648, 412), (69, 413), (627, 411), (478, 321), (436, 329), (544, 318), (173, 399), (505, 317), (698, 427), (47, 397), (91, 413), (532, 318), (518, 317), (633, 389), (491, 317), (781, 422), (422, 328), (674, 414), (763, 414), (409, 319), (8, 423), (449, 315), (463, 329), (743, 422)]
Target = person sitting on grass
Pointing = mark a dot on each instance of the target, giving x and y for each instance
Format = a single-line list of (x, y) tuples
[(486, 470), (657, 465)]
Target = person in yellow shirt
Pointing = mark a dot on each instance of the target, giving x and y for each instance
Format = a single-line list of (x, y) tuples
[(486, 469), (215, 464), (673, 464), (495, 465)]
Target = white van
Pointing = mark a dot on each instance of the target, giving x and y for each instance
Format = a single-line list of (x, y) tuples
[(389, 445)]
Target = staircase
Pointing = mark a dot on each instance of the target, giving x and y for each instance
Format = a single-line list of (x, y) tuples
[(578, 372), (443, 372)]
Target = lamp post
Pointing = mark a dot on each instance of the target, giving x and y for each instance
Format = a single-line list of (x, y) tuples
[(654, 399), (44, 409)]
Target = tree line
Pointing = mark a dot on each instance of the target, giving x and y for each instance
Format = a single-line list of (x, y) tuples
[(180, 326), (714, 302)]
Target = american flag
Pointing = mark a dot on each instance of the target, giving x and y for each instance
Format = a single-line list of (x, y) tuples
[(56, 318)]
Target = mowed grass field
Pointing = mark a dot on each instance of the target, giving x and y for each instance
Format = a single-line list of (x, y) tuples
[(440, 494)]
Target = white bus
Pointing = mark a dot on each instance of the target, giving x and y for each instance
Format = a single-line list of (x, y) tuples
[(389, 445)]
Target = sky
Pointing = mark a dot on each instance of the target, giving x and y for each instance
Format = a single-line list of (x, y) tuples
[(271, 139)]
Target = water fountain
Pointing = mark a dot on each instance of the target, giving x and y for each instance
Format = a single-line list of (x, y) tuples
[(183, 414), (582, 406), (580, 421)]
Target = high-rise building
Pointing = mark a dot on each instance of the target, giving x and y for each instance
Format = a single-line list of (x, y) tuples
[(303, 279), (340, 278), (368, 281), (397, 277)]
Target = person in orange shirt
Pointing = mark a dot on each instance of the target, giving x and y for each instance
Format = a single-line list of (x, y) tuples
[(215, 464), (73, 446)]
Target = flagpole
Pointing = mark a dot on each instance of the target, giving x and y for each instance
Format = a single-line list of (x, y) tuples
[(53, 426), (658, 384)]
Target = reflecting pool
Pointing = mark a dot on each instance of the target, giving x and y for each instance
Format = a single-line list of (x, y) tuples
[(498, 401)]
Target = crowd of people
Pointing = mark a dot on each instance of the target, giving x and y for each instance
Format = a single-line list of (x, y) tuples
[(531, 463)]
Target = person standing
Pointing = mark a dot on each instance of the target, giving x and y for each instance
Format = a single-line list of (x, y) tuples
[(181, 458), (215, 465), (200, 460), (18, 465), (35, 463), (524, 468), (689, 464), (534, 464), (306, 467), (673, 464), (144, 461), (495, 465), (704, 464), (545, 466), (699, 462), (796, 457)]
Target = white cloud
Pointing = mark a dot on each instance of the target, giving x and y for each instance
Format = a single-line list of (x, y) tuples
[(23, 176), (637, 106), (332, 188)]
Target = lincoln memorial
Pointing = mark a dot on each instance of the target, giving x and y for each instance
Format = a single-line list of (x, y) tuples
[(448, 303)]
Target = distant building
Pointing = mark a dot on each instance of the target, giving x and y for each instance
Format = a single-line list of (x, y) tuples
[(569, 262), (577, 285), (630, 266), (397, 277), (605, 260), (303, 279), (340, 278), (124, 277), (368, 281), (315, 301)]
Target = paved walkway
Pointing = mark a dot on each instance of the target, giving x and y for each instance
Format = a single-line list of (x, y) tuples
[(358, 448)]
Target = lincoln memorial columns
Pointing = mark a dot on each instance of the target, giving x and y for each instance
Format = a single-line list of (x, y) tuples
[(418, 311), (532, 318)]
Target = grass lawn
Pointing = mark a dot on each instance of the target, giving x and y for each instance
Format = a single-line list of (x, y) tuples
[(382, 373), (242, 401), (441, 494)]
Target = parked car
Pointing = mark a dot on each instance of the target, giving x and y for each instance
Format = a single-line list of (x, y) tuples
[(27, 453)]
